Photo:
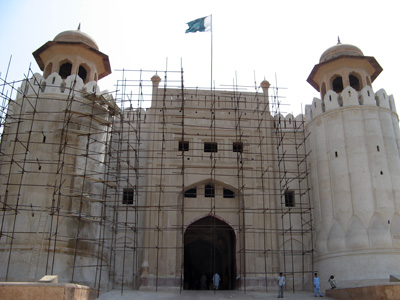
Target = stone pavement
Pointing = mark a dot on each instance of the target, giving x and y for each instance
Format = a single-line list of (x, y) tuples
[(203, 295)]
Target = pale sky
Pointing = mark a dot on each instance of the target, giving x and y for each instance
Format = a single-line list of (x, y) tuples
[(280, 41)]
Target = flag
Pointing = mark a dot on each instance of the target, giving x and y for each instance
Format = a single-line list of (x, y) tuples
[(201, 25)]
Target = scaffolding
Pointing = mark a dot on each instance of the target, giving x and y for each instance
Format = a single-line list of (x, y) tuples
[(125, 190)]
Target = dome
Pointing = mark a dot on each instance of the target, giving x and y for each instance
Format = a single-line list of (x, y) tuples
[(340, 50), (76, 36)]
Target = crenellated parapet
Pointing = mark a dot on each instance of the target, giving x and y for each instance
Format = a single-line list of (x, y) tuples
[(289, 121), (54, 84), (349, 97), (37, 86), (204, 99)]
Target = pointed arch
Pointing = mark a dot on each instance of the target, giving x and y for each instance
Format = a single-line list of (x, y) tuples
[(337, 83), (379, 232), (65, 68), (395, 230), (355, 81), (356, 235), (336, 237), (209, 247), (84, 72), (48, 70), (209, 188)]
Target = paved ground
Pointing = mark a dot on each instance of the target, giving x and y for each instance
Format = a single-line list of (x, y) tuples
[(202, 295)]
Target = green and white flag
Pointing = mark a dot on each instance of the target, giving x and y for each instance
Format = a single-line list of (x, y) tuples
[(201, 25)]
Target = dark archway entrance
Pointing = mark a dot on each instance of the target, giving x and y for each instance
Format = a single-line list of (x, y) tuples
[(209, 248)]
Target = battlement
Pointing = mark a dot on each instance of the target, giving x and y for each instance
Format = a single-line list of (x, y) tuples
[(205, 99), (289, 121), (349, 97), (54, 84)]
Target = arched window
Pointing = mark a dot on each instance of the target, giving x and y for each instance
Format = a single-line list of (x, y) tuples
[(65, 70), (82, 73), (355, 81), (191, 193), (337, 84), (48, 70), (227, 193)]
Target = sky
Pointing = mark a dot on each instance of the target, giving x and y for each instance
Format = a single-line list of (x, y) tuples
[(253, 40)]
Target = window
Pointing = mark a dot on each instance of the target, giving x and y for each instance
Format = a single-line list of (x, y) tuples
[(209, 191), (228, 193), (337, 84), (82, 73), (289, 198), (127, 197), (210, 147), (355, 82), (237, 147), (183, 146), (65, 70), (191, 193)]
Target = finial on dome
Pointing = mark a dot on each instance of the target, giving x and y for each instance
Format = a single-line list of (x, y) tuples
[(79, 26), (338, 40)]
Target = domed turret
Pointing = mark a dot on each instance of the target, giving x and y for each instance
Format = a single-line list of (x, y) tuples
[(76, 36), (73, 52), (340, 50), (353, 137), (341, 66)]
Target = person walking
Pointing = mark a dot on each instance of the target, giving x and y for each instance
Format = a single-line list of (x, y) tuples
[(216, 279), (317, 285), (281, 284)]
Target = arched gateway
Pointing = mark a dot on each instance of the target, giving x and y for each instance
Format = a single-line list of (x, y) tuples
[(209, 248)]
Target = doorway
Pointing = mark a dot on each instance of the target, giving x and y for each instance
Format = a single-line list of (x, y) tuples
[(209, 247)]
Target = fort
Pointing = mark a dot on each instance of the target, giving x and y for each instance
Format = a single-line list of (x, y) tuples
[(104, 191)]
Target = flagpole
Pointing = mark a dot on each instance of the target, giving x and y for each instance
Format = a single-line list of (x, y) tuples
[(211, 53)]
